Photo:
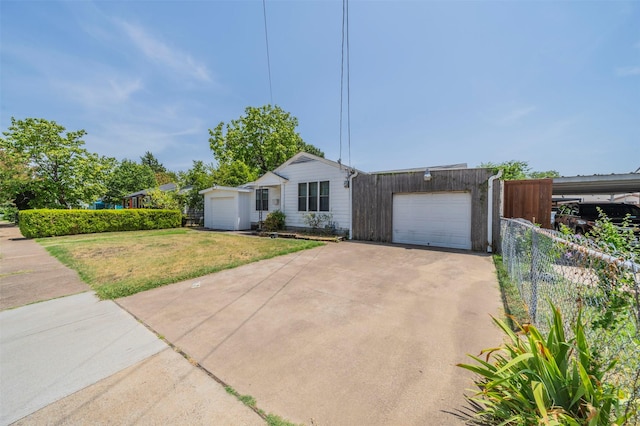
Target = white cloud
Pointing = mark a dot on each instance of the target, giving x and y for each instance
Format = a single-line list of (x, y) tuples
[(516, 114), (627, 71), (100, 91), (158, 51)]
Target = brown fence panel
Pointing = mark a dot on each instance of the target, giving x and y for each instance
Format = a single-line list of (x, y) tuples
[(529, 199)]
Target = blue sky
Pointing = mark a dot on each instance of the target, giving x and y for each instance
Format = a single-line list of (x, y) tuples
[(556, 84)]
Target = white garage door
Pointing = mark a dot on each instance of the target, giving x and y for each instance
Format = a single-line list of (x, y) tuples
[(434, 219), (223, 214)]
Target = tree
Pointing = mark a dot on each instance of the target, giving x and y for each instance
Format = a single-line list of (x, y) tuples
[(50, 167), (169, 200), (162, 174), (148, 159), (15, 175), (200, 176), (234, 174), (545, 174), (518, 170), (126, 178), (262, 139)]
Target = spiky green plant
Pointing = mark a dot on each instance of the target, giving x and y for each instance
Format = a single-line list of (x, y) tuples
[(531, 380)]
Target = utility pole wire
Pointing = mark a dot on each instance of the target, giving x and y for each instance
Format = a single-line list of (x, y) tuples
[(341, 81), (348, 87), (266, 39), (345, 53)]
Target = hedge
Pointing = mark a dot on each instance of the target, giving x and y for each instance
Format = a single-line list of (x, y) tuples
[(49, 223)]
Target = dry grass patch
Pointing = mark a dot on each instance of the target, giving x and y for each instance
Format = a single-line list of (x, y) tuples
[(119, 264)]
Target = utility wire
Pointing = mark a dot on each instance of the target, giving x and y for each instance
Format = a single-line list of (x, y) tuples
[(341, 80), (343, 67), (266, 39), (348, 86)]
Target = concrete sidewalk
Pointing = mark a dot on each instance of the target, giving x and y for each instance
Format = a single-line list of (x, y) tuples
[(52, 349), (29, 274), (78, 360)]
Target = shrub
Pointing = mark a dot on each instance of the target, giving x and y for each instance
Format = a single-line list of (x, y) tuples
[(9, 212), (48, 223), (552, 381), (274, 221), (320, 221)]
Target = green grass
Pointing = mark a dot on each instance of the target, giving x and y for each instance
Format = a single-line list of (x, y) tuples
[(514, 307), (118, 264), (249, 401)]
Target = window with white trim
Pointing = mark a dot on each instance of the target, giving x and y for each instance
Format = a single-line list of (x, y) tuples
[(262, 199), (313, 196)]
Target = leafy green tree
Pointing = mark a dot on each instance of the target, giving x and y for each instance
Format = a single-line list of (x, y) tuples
[(126, 178), (157, 199), (162, 174), (150, 160), (518, 170), (234, 174), (262, 139), (200, 176), (15, 175), (51, 165), (545, 174), (307, 147)]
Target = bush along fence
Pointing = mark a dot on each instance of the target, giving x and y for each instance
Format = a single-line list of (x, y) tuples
[(49, 223), (586, 276)]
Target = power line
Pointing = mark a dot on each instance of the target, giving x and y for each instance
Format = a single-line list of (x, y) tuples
[(266, 39), (345, 53), (348, 87), (341, 80)]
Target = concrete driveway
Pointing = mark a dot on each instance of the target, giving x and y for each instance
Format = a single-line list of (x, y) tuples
[(349, 333)]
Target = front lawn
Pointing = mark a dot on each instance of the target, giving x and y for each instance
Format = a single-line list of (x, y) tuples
[(118, 264)]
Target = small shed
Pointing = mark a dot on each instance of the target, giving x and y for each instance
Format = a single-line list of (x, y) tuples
[(227, 208)]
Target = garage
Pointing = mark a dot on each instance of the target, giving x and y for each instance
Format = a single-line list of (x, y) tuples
[(433, 219), (224, 214), (227, 208)]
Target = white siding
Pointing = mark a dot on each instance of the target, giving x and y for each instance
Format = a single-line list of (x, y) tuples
[(227, 210), (244, 208), (274, 194), (315, 171)]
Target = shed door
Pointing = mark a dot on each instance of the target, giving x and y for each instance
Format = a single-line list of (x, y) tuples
[(223, 213), (434, 219)]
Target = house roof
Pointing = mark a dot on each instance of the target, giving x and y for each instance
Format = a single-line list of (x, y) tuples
[(164, 188), (267, 179), (224, 188), (304, 157), (422, 169)]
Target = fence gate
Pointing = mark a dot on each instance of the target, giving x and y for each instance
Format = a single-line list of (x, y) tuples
[(529, 199)]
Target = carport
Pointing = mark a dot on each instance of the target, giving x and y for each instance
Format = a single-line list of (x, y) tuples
[(597, 184), (532, 199)]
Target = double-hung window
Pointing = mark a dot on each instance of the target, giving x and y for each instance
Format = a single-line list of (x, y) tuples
[(262, 199), (313, 196)]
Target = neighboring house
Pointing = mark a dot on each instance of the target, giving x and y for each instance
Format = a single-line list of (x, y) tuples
[(136, 200), (304, 184), (445, 206)]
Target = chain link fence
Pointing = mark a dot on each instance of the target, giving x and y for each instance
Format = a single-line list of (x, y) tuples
[(548, 266)]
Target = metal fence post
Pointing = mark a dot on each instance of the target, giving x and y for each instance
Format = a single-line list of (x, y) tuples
[(533, 312)]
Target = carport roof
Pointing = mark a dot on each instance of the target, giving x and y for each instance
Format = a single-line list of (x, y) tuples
[(597, 184)]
